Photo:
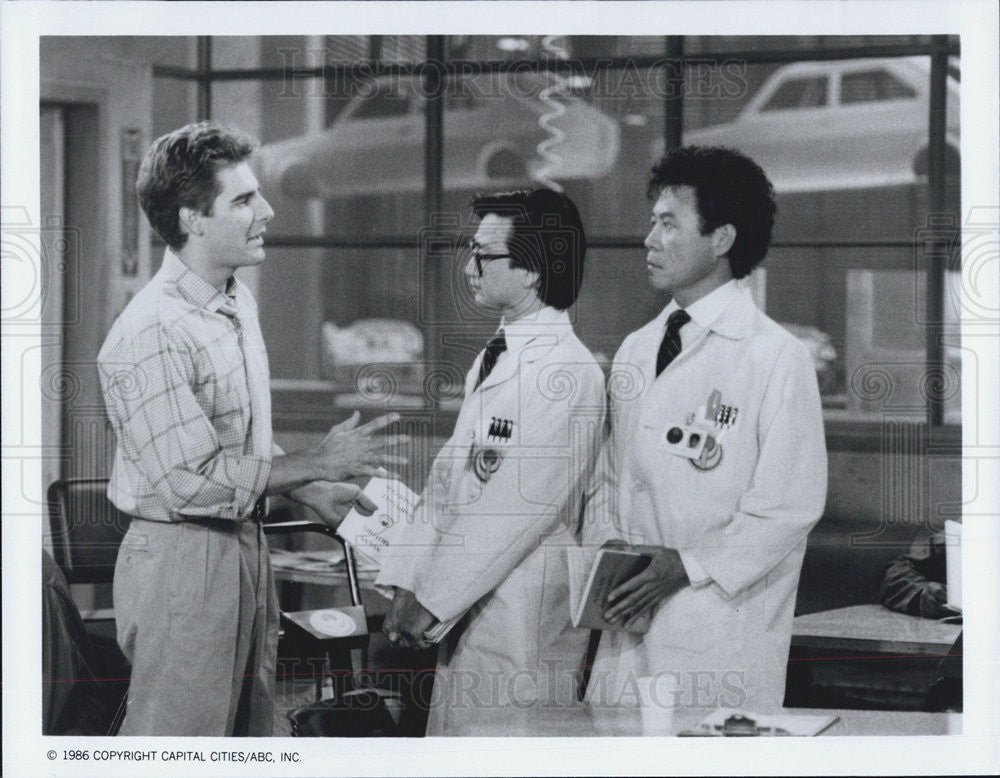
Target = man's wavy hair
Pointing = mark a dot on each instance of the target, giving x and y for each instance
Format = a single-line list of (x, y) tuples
[(730, 188), (179, 171), (547, 238)]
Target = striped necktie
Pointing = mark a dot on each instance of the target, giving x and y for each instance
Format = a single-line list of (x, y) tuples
[(494, 349), (671, 345)]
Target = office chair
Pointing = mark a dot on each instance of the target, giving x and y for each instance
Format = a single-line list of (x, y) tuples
[(86, 530), (345, 705)]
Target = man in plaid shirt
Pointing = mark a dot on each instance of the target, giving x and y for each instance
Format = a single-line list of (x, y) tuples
[(185, 380)]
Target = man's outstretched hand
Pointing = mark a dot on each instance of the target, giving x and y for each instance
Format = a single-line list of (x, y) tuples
[(352, 451), (333, 501)]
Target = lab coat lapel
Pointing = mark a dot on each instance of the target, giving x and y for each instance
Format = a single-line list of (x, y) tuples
[(733, 322), (508, 364)]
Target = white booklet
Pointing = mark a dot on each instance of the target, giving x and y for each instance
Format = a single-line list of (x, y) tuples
[(371, 536)]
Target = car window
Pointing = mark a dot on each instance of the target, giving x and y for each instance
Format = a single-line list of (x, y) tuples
[(869, 86), (799, 93), (384, 104)]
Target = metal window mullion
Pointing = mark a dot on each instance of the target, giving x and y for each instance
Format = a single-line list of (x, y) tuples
[(433, 75), (936, 159), (204, 77), (583, 64), (673, 104)]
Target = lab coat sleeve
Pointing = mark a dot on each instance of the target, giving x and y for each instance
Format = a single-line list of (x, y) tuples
[(600, 507), (788, 489), (601, 517), (538, 485)]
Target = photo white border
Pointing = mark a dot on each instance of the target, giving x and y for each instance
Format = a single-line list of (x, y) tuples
[(976, 750)]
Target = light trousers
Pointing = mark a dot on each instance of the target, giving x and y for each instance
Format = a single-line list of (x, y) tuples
[(197, 616)]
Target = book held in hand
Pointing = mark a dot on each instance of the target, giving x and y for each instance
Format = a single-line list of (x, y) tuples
[(371, 536), (593, 574)]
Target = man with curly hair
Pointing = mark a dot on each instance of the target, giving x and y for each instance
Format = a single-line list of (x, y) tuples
[(716, 465)]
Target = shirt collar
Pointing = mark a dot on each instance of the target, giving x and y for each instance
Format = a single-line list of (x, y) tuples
[(720, 310), (546, 321), (195, 289)]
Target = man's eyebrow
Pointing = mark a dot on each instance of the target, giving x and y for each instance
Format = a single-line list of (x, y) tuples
[(244, 195)]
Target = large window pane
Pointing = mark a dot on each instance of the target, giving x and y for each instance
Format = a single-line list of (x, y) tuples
[(312, 301), (845, 144), (840, 125), (844, 141), (591, 135), (356, 167)]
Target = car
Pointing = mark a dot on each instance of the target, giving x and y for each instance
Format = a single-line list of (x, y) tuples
[(841, 124), (500, 130)]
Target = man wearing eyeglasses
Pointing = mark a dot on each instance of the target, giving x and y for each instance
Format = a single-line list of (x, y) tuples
[(502, 501)]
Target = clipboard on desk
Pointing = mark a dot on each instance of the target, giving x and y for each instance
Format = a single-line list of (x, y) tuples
[(727, 722)]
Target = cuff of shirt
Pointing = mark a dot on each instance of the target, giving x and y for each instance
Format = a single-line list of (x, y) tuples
[(252, 483), (696, 573)]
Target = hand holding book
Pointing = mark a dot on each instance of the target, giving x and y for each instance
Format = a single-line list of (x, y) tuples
[(618, 585), (408, 621), (373, 536), (593, 574), (635, 597)]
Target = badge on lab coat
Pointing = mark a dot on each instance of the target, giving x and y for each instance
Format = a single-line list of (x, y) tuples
[(710, 457), (499, 430), (685, 438), (698, 435), (485, 462)]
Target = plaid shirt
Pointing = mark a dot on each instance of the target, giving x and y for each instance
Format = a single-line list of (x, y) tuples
[(185, 380)]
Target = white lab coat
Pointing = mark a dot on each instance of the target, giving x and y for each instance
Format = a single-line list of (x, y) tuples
[(496, 548), (743, 524)]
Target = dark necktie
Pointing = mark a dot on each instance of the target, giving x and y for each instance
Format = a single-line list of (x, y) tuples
[(671, 345), (494, 349)]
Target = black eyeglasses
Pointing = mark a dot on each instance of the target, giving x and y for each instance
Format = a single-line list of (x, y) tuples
[(480, 257)]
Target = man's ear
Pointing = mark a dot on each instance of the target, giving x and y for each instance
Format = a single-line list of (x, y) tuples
[(531, 278), (190, 221), (722, 239)]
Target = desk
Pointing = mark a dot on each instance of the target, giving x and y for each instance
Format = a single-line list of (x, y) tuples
[(324, 568), (873, 629), (581, 721), (865, 656)]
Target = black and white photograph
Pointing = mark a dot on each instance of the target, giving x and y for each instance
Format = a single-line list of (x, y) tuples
[(500, 387)]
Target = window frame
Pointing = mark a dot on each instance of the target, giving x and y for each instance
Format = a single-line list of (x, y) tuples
[(305, 405)]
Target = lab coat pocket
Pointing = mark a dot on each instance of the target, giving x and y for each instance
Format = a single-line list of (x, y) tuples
[(693, 619)]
